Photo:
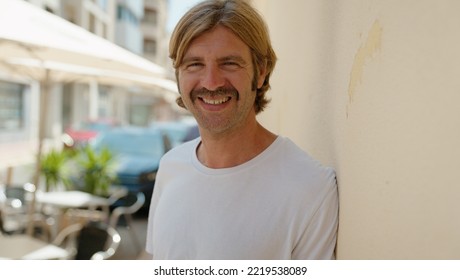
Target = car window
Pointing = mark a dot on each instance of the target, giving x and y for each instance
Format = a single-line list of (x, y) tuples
[(146, 144)]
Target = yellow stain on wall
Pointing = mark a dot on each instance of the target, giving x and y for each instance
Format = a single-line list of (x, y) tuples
[(365, 52)]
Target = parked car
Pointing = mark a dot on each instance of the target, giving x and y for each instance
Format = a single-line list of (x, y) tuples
[(79, 135), (177, 132), (137, 154)]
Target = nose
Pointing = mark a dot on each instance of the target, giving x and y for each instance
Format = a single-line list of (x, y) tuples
[(212, 78)]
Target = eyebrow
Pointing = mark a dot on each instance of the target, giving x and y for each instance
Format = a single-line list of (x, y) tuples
[(190, 59), (236, 58), (222, 59)]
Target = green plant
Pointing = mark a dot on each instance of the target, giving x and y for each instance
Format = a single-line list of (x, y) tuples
[(53, 168), (97, 170)]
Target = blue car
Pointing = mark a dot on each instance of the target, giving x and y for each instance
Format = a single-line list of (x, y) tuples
[(177, 132), (137, 154)]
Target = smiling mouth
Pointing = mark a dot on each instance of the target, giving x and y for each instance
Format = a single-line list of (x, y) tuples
[(215, 101), (216, 97)]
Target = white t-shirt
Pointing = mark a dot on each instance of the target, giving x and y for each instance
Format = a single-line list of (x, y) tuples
[(282, 204)]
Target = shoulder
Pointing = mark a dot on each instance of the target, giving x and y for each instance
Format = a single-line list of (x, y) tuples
[(175, 161), (181, 152), (297, 158), (301, 167)]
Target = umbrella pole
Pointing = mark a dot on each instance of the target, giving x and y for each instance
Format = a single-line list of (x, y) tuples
[(42, 122)]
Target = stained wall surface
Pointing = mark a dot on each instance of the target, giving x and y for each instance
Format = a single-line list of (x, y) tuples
[(372, 88)]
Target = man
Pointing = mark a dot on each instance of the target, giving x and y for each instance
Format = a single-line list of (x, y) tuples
[(239, 191)]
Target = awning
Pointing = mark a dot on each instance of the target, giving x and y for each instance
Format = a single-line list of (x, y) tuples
[(33, 40)]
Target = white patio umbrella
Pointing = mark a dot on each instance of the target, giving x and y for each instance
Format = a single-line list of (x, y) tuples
[(41, 46), (32, 40)]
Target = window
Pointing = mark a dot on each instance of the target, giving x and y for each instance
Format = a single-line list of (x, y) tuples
[(92, 23), (124, 14), (150, 16), (11, 106), (104, 102), (102, 4), (150, 46)]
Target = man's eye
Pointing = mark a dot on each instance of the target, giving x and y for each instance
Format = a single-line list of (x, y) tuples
[(193, 66), (231, 65)]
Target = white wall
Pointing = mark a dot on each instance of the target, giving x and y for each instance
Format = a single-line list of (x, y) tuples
[(372, 88)]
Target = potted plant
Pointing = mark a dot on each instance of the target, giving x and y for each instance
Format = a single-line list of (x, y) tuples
[(53, 168), (96, 170)]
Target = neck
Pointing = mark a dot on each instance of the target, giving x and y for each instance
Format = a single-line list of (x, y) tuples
[(233, 148)]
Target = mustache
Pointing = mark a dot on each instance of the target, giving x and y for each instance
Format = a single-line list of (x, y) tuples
[(203, 92)]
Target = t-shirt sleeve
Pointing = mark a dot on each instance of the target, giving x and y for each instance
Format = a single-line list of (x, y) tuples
[(155, 198), (318, 241), (149, 238)]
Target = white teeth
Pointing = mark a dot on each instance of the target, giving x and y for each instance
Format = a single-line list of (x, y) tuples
[(216, 101)]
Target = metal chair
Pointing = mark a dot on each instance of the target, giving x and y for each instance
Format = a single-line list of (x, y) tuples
[(14, 208), (2, 229), (16, 215), (92, 241), (125, 207), (98, 213)]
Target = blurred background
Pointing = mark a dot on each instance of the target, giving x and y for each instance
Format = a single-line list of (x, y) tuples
[(370, 88), (73, 72)]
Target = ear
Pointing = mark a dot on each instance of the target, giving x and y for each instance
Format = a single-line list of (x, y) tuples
[(262, 74)]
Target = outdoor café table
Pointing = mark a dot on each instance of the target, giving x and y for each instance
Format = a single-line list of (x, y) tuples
[(72, 199), (80, 199), (64, 201), (25, 247)]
